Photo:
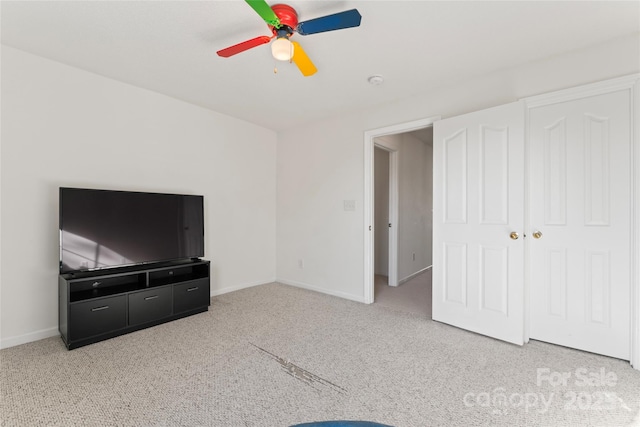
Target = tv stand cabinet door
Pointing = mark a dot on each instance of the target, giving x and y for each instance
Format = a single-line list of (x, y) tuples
[(191, 296), (150, 305), (95, 317)]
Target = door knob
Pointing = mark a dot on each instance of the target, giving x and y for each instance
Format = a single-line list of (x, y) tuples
[(537, 234), (514, 235)]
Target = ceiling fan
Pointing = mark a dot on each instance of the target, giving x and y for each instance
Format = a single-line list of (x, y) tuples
[(282, 20)]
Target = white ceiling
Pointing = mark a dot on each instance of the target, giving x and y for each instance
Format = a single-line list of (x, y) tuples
[(169, 47)]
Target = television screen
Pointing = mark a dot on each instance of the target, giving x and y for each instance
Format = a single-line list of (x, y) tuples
[(102, 228)]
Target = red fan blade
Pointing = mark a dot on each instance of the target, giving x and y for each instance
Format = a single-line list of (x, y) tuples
[(241, 47)]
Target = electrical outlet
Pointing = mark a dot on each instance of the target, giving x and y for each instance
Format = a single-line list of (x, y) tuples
[(300, 263), (414, 256)]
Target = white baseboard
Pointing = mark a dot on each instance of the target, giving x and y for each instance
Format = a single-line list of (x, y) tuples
[(30, 337), (411, 276), (226, 290), (344, 295)]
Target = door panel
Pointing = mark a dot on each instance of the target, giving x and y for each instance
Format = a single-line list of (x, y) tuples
[(478, 201), (455, 178), (580, 165)]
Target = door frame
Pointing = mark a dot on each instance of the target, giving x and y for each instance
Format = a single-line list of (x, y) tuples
[(368, 205), (630, 83)]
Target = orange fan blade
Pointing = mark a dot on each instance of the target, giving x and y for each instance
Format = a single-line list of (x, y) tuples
[(303, 62)]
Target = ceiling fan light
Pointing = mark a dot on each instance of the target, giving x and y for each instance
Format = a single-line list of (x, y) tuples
[(282, 49)]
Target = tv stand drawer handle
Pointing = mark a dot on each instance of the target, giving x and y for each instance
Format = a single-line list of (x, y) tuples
[(195, 288), (104, 307), (151, 297)]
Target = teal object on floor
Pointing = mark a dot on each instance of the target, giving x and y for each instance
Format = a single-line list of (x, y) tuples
[(341, 424)]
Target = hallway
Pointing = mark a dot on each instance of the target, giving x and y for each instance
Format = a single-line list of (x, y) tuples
[(413, 296)]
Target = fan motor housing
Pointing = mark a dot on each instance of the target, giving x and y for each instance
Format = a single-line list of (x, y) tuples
[(286, 14)]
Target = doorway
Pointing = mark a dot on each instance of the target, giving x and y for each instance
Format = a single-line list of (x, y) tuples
[(400, 234), (385, 230)]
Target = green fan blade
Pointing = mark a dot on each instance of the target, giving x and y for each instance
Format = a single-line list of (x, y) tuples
[(265, 12)]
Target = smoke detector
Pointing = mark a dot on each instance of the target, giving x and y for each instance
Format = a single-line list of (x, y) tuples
[(375, 80)]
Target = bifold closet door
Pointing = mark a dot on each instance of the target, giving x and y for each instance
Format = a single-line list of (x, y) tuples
[(478, 217), (580, 195)]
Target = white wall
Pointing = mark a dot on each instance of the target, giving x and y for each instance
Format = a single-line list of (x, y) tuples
[(414, 206), (316, 172), (381, 214), (62, 126), (322, 163)]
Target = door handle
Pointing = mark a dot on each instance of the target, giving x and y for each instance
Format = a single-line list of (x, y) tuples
[(537, 234), (514, 235)]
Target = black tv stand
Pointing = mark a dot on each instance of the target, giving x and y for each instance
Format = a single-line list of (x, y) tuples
[(97, 305)]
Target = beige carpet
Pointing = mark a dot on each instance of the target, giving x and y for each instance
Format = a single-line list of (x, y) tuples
[(274, 355)]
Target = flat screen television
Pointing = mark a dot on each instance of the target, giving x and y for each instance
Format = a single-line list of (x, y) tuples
[(105, 229)]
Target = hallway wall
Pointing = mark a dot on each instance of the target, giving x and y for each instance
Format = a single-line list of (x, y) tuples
[(381, 214), (414, 210)]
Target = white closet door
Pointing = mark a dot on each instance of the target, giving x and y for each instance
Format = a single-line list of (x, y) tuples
[(579, 163), (478, 204)]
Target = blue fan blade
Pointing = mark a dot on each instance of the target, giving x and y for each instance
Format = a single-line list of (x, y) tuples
[(337, 21)]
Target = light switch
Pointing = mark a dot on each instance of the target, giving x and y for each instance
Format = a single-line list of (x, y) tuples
[(349, 205)]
